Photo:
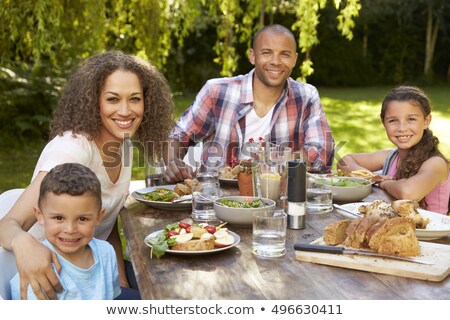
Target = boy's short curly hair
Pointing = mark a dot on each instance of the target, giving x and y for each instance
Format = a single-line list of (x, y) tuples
[(71, 178), (78, 108)]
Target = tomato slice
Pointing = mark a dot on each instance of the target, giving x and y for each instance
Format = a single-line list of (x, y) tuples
[(172, 233), (184, 225), (210, 229)]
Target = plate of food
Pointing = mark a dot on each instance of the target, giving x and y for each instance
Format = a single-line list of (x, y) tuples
[(362, 174), (169, 197), (186, 238), (429, 225), (229, 176)]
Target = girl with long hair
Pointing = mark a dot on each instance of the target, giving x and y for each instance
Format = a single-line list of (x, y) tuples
[(416, 169)]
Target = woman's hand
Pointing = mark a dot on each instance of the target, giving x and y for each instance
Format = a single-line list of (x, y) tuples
[(34, 262)]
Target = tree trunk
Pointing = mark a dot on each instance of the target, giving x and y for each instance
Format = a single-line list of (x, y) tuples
[(430, 43), (365, 41), (261, 13), (448, 74)]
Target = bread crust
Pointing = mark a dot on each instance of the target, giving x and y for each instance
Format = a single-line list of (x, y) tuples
[(335, 232), (397, 237), (194, 245)]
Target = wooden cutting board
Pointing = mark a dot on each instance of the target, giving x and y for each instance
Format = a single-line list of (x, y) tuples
[(438, 253)]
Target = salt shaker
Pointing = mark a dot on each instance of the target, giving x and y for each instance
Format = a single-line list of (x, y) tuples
[(296, 198)]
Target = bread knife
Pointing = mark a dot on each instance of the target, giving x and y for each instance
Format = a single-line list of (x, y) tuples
[(342, 250), (357, 215)]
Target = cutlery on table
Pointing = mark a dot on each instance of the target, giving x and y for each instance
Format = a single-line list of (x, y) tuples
[(343, 250), (357, 215)]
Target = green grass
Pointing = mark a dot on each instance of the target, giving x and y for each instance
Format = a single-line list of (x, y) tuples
[(353, 114)]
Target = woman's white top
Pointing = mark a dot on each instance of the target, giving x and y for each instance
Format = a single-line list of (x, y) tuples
[(79, 149)]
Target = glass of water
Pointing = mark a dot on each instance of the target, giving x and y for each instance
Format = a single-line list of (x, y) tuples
[(319, 195), (203, 202), (269, 233), (207, 174), (154, 172)]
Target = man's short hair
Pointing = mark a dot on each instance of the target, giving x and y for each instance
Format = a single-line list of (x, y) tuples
[(71, 178), (277, 28)]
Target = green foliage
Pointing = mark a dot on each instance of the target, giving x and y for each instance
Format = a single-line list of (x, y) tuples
[(26, 98)]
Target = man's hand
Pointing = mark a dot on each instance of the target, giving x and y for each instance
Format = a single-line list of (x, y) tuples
[(177, 170)]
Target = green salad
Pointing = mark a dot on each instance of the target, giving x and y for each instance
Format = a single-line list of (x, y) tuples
[(247, 203), (348, 183), (162, 242), (160, 194)]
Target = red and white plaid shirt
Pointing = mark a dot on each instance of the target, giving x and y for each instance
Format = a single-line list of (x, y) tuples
[(217, 117)]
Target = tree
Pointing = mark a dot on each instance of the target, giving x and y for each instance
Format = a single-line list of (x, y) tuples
[(435, 10)]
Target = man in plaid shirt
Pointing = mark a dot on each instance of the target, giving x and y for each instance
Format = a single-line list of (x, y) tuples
[(263, 104)]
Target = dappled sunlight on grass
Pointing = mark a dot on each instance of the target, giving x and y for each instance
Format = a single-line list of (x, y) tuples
[(356, 125)]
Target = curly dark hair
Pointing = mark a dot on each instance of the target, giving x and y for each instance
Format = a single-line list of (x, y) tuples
[(427, 146), (71, 178), (78, 106)]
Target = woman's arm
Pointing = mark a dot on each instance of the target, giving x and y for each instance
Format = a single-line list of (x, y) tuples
[(34, 261), (114, 240), (431, 173), (356, 161)]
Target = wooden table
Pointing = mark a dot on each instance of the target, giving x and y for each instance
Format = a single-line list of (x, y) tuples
[(237, 274)]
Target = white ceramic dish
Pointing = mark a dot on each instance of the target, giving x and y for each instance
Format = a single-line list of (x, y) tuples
[(237, 239), (160, 204), (438, 227), (351, 194), (240, 216)]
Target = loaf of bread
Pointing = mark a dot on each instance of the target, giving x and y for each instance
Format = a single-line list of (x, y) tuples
[(408, 209), (360, 235), (392, 236), (182, 189), (334, 233), (351, 233), (396, 236), (194, 245)]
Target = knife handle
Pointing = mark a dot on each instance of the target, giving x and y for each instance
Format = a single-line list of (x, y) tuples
[(318, 248)]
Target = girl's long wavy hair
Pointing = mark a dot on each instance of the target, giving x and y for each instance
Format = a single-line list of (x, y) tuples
[(427, 146), (78, 106)]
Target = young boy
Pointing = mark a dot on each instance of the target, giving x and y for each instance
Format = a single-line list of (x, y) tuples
[(69, 208)]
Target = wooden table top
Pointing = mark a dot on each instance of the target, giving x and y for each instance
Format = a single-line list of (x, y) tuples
[(237, 274)]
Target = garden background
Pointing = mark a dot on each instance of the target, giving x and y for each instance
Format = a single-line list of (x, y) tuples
[(353, 51)]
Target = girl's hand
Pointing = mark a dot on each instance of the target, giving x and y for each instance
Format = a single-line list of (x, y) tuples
[(34, 262)]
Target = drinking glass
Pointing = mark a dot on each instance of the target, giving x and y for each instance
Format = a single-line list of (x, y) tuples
[(319, 195), (269, 234), (269, 172), (207, 173), (154, 172), (203, 202)]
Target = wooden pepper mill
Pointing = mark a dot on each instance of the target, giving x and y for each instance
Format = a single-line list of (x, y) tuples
[(245, 178)]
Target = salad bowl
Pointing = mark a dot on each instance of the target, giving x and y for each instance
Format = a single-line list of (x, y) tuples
[(238, 210)]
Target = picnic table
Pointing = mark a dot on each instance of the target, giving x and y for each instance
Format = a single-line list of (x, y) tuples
[(237, 274)]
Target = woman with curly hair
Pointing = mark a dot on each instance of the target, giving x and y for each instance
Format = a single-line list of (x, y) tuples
[(110, 98), (416, 169)]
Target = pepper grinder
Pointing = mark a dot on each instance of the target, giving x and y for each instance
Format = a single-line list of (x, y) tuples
[(296, 198)]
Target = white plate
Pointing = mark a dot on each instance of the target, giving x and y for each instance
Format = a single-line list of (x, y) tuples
[(161, 204), (438, 227), (237, 239), (229, 181)]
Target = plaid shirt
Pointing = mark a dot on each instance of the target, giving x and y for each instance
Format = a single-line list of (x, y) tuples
[(217, 117)]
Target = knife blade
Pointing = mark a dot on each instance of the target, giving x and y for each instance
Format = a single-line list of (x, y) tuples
[(357, 215), (342, 250)]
